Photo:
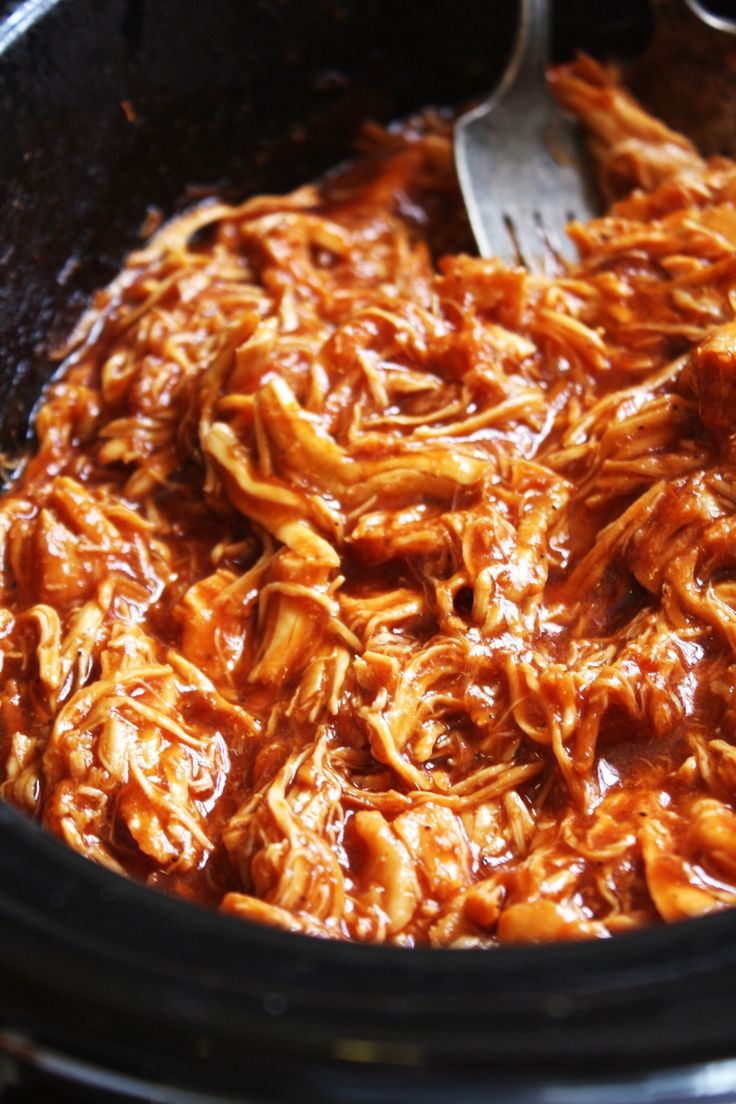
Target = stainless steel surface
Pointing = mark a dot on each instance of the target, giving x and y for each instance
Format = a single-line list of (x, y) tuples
[(521, 162), (719, 21), (708, 1083)]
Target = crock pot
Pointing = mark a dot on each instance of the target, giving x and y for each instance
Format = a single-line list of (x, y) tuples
[(108, 109)]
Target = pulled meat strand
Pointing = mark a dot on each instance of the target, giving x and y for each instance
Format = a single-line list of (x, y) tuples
[(391, 600)]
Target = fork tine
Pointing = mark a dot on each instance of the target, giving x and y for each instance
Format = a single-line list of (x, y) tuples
[(499, 233), (476, 162), (554, 223), (527, 239), (519, 159)]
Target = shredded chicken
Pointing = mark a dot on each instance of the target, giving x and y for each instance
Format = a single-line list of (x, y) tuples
[(379, 592)]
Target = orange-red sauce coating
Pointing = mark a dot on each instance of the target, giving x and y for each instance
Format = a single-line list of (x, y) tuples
[(387, 594)]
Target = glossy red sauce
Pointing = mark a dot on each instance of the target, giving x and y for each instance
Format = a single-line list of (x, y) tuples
[(362, 587)]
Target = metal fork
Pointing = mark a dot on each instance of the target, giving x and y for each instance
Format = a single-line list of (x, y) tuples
[(521, 162)]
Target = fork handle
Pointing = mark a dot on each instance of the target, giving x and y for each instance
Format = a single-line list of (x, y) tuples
[(718, 20), (531, 47)]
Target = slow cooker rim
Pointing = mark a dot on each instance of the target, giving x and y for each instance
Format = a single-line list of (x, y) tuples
[(408, 993)]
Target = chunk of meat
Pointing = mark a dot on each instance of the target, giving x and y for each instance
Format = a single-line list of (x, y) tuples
[(712, 835), (433, 836), (676, 888), (545, 921), (713, 369), (389, 874)]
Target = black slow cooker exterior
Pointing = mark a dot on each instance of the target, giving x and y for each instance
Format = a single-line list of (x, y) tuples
[(108, 107)]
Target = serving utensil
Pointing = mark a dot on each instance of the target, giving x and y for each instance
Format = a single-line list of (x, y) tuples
[(521, 161)]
